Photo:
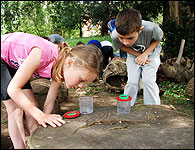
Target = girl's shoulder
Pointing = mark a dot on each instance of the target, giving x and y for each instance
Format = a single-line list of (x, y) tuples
[(19, 43)]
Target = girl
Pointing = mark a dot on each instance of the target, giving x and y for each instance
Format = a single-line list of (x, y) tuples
[(24, 55)]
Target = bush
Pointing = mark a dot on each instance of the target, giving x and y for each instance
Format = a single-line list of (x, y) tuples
[(174, 34)]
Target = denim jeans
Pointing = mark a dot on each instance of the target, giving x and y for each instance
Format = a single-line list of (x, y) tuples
[(123, 54)]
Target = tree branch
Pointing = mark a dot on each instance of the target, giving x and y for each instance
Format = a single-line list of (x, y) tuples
[(180, 51)]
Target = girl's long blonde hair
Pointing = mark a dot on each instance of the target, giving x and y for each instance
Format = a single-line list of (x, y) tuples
[(86, 56)]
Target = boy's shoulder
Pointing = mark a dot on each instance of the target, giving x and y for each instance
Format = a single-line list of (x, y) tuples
[(149, 26)]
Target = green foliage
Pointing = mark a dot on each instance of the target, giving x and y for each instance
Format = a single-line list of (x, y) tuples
[(9, 18), (23, 16), (62, 17), (173, 33), (173, 36), (67, 18), (33, 18), (175, 95), (107, 8), (173, 89), (149, 9)]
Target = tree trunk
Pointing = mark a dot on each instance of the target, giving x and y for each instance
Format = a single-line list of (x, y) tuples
[(174, 11), (180, 9), (80, 28), (165, 11)]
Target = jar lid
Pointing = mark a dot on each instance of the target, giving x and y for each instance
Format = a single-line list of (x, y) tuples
[(71, 114), (123, 98)]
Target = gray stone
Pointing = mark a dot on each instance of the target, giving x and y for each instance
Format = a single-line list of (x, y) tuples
[(145, 127)]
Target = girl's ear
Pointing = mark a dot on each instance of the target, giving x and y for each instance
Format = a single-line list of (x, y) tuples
[(70, 62)]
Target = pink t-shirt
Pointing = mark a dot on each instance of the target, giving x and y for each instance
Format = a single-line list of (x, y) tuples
[(15, 48)]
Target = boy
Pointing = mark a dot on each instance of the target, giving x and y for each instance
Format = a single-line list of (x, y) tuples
[(111, 28), (141, 40), (54, 38), (107, 52)]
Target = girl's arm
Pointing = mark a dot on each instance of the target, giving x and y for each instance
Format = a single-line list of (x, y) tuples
[(51, 97), (23, 74)]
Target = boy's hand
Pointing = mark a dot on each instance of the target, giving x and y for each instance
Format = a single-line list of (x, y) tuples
[(147, 61), (51, 119), (142, 59)]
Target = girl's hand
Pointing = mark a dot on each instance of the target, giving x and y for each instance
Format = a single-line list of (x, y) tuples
[(51, 119)]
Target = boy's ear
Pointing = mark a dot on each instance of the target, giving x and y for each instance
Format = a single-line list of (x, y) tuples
[(140, 30)]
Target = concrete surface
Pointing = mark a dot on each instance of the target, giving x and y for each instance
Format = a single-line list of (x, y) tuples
[(145, 127)]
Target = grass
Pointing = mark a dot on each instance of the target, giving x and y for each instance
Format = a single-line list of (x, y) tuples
[(85, 40), (93, 90), (4, 121)]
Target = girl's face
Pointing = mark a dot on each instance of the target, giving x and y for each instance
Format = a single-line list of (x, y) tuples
[(76, 77)]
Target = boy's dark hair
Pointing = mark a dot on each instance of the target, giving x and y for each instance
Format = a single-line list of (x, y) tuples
[(128, 21), (80, 43), (46, 37)]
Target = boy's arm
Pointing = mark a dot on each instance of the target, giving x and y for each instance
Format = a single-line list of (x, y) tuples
[(141, 59), (135, 53), (130, 51), (51, 97)]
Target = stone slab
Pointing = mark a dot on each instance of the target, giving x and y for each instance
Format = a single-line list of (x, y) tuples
[(145, 127)]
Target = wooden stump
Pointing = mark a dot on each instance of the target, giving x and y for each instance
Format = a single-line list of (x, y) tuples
[(190, 89), (115, 74), (180, 68), (145, 127), (40, 89), (182, 72)]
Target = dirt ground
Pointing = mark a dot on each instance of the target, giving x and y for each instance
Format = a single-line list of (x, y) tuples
[(101, 96)]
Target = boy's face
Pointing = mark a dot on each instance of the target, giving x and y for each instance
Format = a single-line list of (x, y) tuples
[(129, 39)]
